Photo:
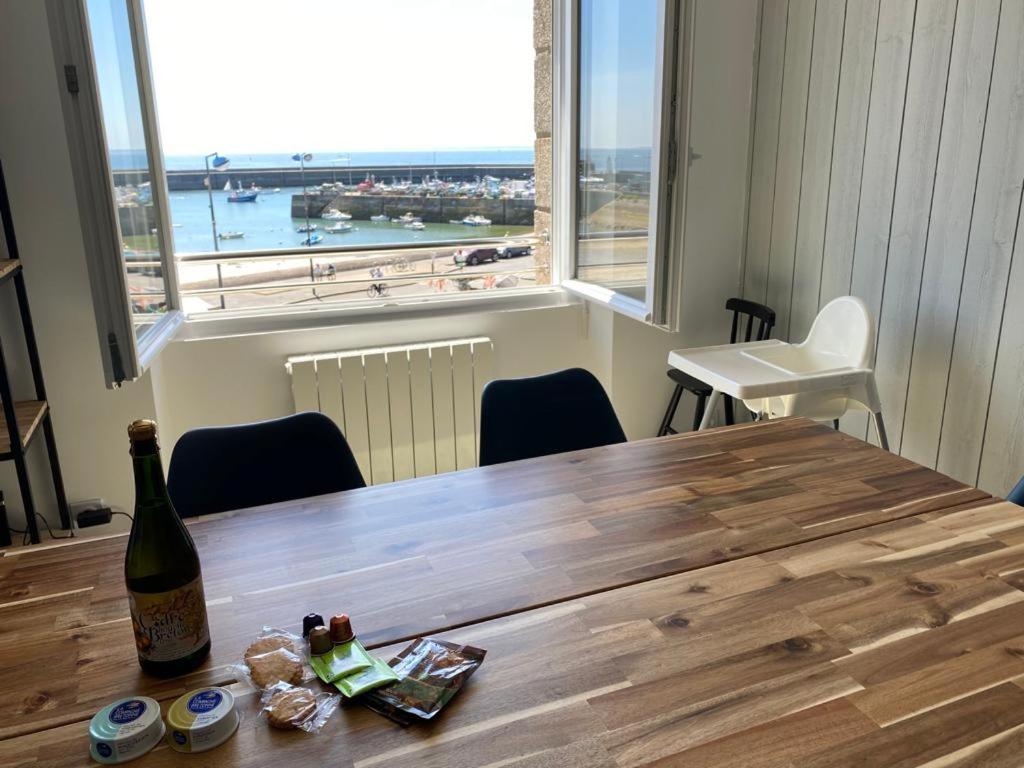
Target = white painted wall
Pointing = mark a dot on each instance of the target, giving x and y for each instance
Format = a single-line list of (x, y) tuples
[(889, 137)]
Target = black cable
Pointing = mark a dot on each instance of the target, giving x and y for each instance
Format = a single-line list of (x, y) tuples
[(49, 530), (119, 512)]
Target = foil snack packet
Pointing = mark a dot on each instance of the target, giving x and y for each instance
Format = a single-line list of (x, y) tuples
[(430, 673)]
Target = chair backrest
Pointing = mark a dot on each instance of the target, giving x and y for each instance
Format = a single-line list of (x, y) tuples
[(753, 311), (216, 469), (1017, 494), (544, 415), (843, 331)]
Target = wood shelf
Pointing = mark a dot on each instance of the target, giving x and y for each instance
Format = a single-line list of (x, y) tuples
[(30, 415), (8, 267)]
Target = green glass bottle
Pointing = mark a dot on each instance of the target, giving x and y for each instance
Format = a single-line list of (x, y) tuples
[(161, 570)]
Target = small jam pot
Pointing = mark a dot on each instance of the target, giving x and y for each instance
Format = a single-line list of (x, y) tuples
[(201, 719), (124, 730)]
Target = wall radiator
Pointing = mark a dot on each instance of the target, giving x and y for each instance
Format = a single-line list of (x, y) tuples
[(406, 411)]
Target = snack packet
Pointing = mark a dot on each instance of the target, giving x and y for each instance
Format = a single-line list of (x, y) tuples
[(275, 656), (377, 675), (342, 660), (431, 672), (290, 706)]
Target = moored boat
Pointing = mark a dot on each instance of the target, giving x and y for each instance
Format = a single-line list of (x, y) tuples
[(230, 235), (475, 220), (313, 239), (339, 229), (416, 225), (307, 228), (380, 217), (332, 214)]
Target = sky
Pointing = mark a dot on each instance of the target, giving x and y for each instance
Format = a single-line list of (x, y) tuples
[(258, 76), (244, 76)]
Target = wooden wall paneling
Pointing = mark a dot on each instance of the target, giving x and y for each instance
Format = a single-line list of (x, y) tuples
[(400, 413), (996, 214), (822, 98), (856, 70), (422, 403), (922, 123), (789, 162), (881, 156), (1002, 456), (304, 386), (767, 113), (444, 410), (353, 390), (956, 176)]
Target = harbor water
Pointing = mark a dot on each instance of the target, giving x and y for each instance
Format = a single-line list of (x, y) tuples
[(267, 224)]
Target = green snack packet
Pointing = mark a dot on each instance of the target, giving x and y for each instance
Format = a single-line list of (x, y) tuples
[(361, 682), (344, 659)]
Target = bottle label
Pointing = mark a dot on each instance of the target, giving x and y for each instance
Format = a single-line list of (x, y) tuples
[(169, 625)]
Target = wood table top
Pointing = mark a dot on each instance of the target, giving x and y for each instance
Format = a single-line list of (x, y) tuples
[(426, 555), (899, 645)]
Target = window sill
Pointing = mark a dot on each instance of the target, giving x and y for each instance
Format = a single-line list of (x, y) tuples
[(615, 300), (224, 323)]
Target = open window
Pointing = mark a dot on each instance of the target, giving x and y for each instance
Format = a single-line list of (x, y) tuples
[(117, 167), (620, 89)]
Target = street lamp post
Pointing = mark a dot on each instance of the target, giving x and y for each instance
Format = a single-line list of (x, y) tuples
[(219, 163)]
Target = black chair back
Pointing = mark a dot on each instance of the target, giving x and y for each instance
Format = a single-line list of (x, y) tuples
[(544, 415), (216, 469), (753, 311), (1017, 494)]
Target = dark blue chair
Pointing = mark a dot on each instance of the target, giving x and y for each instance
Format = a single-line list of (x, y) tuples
[(544, 415), (1017, 494), (216, 469)]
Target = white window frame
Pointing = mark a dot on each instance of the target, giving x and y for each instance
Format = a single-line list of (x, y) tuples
[(124, 356), (660, 306)]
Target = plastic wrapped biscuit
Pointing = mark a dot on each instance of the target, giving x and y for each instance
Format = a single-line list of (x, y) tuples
[(294, 707), (276, 656)]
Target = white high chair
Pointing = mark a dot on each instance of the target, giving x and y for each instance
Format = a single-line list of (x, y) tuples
[(823, 377)]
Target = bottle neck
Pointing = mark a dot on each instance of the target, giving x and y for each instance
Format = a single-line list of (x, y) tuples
[(149, 478)]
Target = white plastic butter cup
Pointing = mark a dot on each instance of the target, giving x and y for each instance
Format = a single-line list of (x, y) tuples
[(124, 730), (201, 719)]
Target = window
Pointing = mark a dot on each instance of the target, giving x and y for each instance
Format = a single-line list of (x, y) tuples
[(229, 165), (622, 55)]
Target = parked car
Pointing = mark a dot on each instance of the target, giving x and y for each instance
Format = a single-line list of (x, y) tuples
[(473, 256), (512, 251)]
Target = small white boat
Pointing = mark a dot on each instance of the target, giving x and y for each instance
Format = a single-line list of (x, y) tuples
[(339, 229), (475, 220), (227, 186), (307, 228), (332, 214), (416, 225), (230, 235), (406, 218), (380, 217)]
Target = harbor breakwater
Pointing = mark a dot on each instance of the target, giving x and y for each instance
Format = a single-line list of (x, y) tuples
[(436, 210), (178, 181)]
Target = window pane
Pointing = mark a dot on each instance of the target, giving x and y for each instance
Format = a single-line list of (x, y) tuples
[(110, 29), (618, 42), (272, 143)]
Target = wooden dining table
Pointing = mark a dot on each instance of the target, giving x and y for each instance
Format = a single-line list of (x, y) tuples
[(770, 594)]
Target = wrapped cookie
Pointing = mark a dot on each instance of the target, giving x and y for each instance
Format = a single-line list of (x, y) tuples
[(291, 707), (276, 656)]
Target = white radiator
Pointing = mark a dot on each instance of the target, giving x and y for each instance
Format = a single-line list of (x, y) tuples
[(406, 411)]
